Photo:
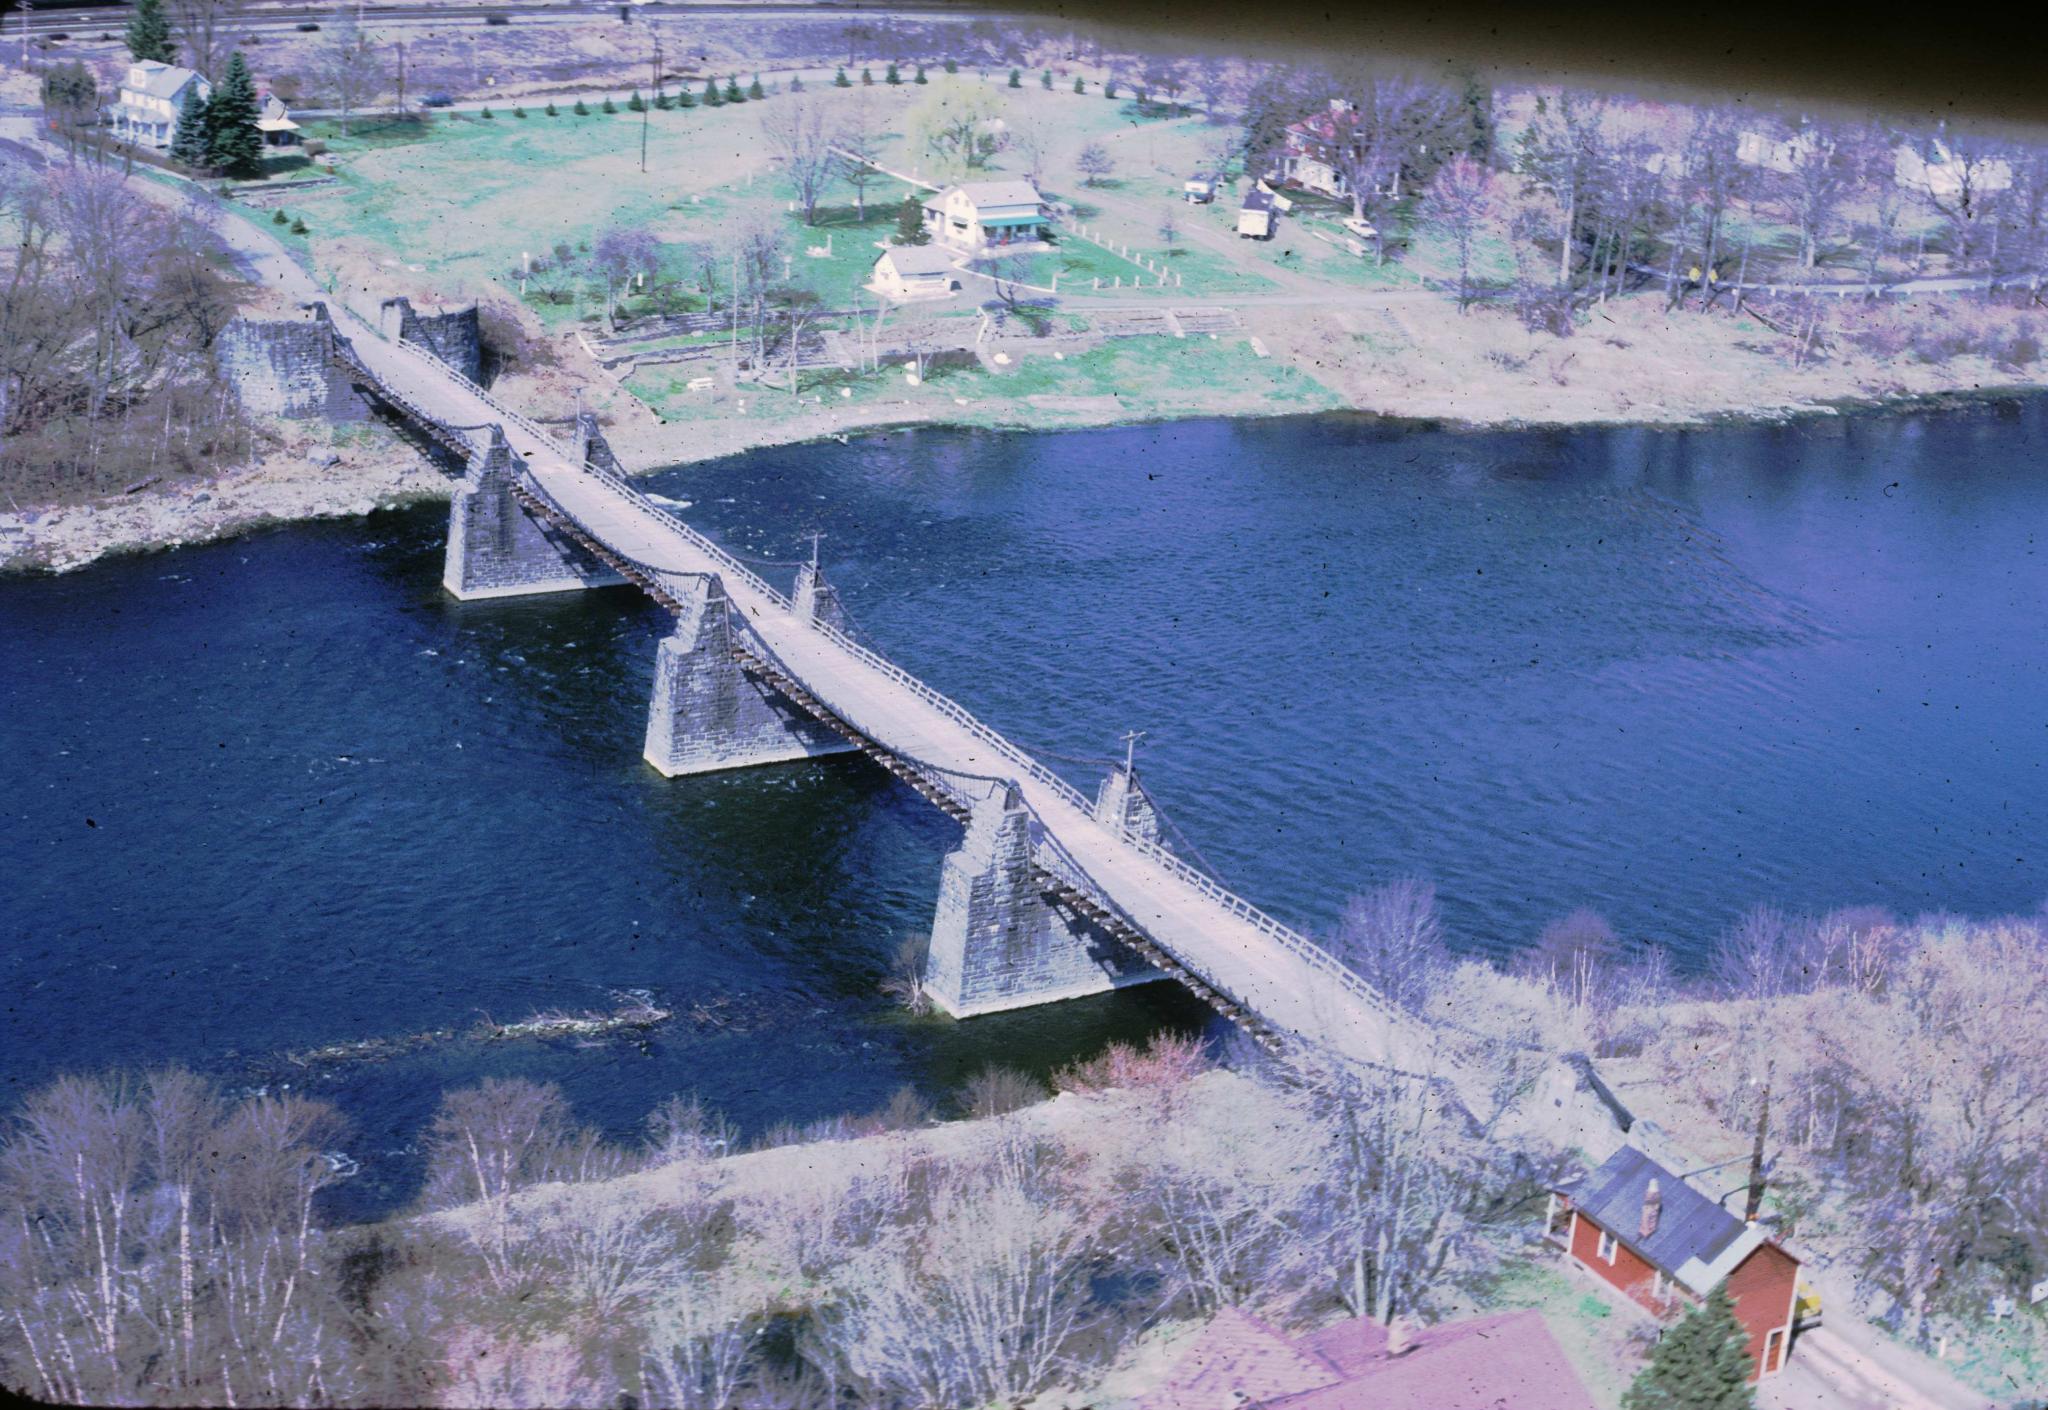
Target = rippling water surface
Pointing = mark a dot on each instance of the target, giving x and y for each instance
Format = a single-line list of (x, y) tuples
[(282, 792)]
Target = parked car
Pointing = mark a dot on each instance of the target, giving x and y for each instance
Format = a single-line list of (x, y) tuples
[(437, 100), (1363, 229), (307, 26)]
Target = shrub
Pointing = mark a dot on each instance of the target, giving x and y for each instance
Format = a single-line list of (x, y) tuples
[(1167, 1061), (610, 106), (279, 218), (552, 110), (998, 1091), (299, 227), (485, 114), (582, 108), (518, 111)]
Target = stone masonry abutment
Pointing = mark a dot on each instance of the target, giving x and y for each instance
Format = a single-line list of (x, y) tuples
[(709, 712), (499, 548), (997, 941)]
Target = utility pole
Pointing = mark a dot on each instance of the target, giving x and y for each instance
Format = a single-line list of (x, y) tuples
[(815, 537), (647, 108), (27, 10), (1131, 738), (1756, 1153)]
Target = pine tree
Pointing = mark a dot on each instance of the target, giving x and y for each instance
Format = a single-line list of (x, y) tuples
[(732, 91), (920, 75), (582, 108), (518, 111), (1045, 80), (892, 77), (712, 97), (149, 33), (1701, 1364), (867, 78), (608, 105), (1080, 84), (952, 66), (189, 138), (232, 142), (1016, 78), (551, 110), (910, 224), (486, 115), (685, 98), (1109, 88), (636, 103), (796, 83), (280, 218), (840, 80), (755, 90), (299, 227)]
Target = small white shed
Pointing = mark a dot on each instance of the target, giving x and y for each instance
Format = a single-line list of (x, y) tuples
[(1256, 218), (907, 272)]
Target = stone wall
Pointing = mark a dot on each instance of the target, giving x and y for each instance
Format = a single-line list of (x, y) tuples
[(455, 335), (998, 942), (286, 367)]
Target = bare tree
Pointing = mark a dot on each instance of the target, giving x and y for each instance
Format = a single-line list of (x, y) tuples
[(799, 131), (207, 29), (349, 68), (1460, 202), (1392, 938), (1573, 957), (621, 255), (1822, 170), (1392, 121), (1754, 958), (859, 153), (1095, 164)]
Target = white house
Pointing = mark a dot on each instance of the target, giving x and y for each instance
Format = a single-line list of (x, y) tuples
[(1783, 155), (152, 94), (980, 216), (1948, 175), (906, 272), (1255, 220)]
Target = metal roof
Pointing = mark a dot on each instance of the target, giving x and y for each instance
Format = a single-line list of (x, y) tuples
[(1000, 193), (1257, 200), (158, 80), (1695, 1241), (919, 259)]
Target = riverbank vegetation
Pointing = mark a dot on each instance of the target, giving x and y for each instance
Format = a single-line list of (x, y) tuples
[(163, 1242)]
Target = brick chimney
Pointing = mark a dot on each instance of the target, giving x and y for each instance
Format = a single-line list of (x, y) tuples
[(1653, 1206)]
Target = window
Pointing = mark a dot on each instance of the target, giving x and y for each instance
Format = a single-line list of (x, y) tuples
[(1607, 1247)]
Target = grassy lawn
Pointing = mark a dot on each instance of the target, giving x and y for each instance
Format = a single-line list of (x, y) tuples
[(1592, 1333), (1149, 377)]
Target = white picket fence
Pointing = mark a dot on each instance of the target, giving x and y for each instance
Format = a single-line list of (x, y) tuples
[(1162, 277)]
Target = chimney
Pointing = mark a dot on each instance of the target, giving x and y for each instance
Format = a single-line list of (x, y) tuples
[(1653, 1205)]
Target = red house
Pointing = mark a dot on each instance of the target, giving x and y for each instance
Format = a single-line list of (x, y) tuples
[(1641, 1229)]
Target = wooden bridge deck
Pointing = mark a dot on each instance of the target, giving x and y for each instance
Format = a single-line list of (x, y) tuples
[(1296, 989)]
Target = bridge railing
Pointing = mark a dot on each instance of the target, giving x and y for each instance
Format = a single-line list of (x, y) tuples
[(1293, 941)]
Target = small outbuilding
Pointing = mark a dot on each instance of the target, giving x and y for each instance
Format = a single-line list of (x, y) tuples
[(1256, 219), (906, 272), (274, 121), (1199, 189)]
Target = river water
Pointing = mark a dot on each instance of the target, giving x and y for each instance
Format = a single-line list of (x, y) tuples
[(282, 792)]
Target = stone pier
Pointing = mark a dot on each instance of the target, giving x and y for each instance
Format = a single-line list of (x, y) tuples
[(709, 713), (819, 600), (998, 942), (1123, 805), (497, 548)]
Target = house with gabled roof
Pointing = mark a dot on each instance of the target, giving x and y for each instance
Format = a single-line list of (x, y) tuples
[(151, 96), (906, 272), (982, 217), (1641, 1229), (1505, 1361)]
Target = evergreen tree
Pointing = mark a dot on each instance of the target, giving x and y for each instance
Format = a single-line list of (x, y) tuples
[(841, 80), (299, 227), (952, 66), (608, 105), (685, 98), (920, 75), (1701, 1364), (867, 78), (518, 111), (189, 137), (232, 142), (551, 110), (149, 33), (1016, 78), (1045, 80), (910, 224), (755, 90), (280, 218), (732, 91), (1109, 88), (486, 115), (712, 97), (636, 103), (1080, 84), (796, 83), (893, 78), (582, 108)]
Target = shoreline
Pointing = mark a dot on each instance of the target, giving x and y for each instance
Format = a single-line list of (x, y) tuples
[(291, 486)]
